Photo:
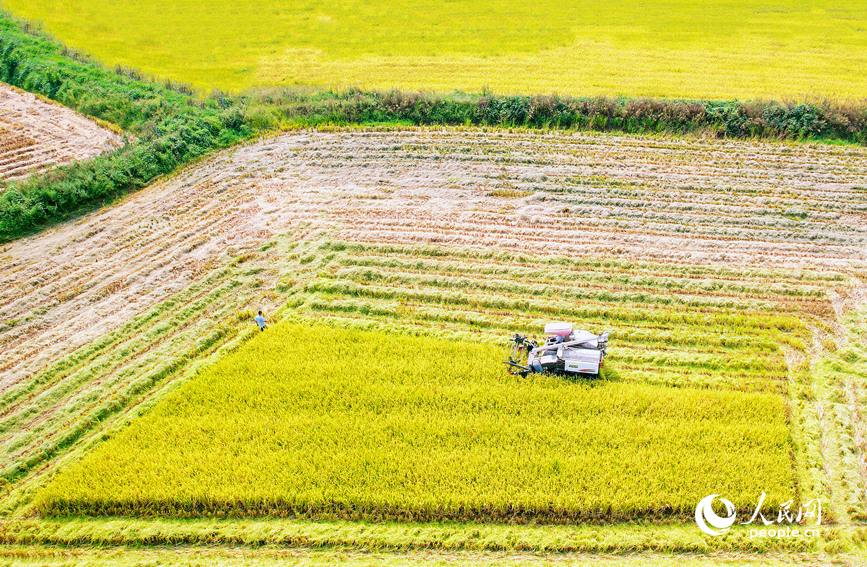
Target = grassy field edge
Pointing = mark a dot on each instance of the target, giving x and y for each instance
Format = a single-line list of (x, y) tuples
[(171, 126), (200, 556), (803, 120)]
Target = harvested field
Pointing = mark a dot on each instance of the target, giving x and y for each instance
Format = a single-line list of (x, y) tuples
[(693, 250), (642, 199), (36, 134)]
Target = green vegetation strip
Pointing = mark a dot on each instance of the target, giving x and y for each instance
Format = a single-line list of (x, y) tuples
[(172, 127), (313, 421), (826, 120)]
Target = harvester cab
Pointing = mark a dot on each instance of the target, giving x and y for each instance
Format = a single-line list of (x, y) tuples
[(565, 350)]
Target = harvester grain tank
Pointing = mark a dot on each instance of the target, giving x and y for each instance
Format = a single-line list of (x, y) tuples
[(565, 350)]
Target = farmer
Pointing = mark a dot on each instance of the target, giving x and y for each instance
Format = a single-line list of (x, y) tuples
[(260, 320)]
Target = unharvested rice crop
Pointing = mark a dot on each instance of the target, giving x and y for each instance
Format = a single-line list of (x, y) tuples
[(673, 48), (313, 420)]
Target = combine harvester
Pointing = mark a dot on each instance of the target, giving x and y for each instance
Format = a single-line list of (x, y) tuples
[(565, 351)]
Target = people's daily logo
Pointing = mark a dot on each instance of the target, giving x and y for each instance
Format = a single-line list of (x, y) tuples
[(785, 523), (709, 522)]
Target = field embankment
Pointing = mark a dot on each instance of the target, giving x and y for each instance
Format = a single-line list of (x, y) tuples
[(820, 121), (171, 125)]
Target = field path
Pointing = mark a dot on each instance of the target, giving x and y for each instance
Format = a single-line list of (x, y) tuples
[(36, 134)]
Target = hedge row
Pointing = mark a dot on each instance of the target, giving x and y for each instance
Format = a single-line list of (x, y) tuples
[(826, 120), (170, 124)]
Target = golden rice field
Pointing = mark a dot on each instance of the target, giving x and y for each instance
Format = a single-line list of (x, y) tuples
[(671, 48), (322, 421)]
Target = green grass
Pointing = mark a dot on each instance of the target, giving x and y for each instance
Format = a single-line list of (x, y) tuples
[(171, 128), (324, 422), (672, 48)]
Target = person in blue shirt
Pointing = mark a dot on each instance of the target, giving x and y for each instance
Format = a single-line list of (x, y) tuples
[(260, 320)]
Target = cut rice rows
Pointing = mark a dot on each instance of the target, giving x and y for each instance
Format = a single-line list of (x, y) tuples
[(734, 287), (667, 335), (426, 186), (36, 134)]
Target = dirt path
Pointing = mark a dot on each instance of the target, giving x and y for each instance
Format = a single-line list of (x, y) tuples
[(745, 204), (36, 134)]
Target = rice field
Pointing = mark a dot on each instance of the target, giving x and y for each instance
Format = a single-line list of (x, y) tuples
[(322, 421), (145, 419), (672, 48), (728, 272)]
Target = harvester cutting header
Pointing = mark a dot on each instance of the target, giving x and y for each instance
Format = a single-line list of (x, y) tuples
[(565, 351)]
